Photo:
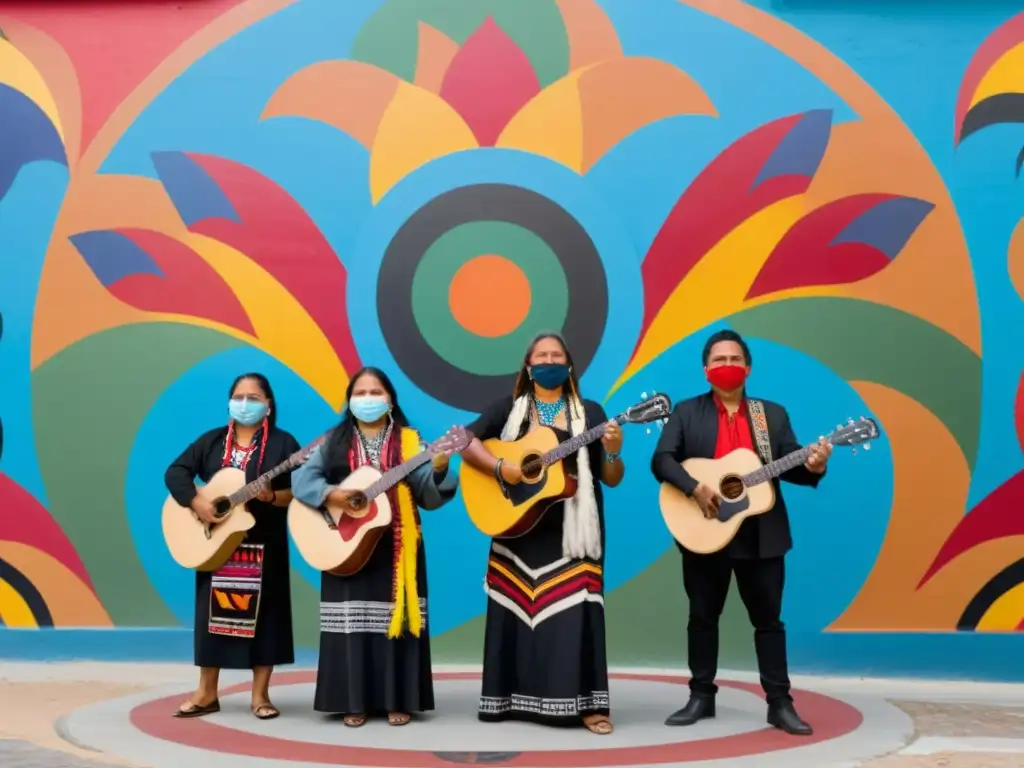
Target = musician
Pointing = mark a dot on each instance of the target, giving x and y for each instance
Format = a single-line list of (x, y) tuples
[(374, 638), (544, 647), (710, 426), (259, 637)]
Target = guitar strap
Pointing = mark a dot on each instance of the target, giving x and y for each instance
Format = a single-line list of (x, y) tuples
[(759, 422)]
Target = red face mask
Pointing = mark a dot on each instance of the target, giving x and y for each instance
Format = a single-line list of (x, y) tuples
[(727, 377)]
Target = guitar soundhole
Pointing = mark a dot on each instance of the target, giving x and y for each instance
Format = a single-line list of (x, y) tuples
[(357, 501), (221, 506), (731, 487), (531, 466)]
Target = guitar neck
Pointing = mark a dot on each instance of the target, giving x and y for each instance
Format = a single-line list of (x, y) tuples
[(395, 475), (250, 491), (573, 444), (777, 467)]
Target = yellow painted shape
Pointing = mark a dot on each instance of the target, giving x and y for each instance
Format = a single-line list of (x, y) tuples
[(418, 126), (14, 611), (1005, 76), (717, 284), (17, 71), (550, 124), (1005, 613), (284, 328)]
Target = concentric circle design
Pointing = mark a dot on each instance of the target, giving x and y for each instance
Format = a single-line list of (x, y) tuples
[(833, 718), (532, 266), (21, 604), (999, 605)]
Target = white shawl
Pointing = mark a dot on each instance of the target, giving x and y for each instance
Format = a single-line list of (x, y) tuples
[(581, 529)]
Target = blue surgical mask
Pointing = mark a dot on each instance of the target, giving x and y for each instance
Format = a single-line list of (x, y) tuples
[(247, 412), (550, 375), (368, 408)]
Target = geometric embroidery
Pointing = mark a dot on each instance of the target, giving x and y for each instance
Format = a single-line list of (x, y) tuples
[(535, 595), (496, 705), (355, 616)]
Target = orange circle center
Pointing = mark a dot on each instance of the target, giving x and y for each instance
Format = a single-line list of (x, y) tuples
[(489, 296)]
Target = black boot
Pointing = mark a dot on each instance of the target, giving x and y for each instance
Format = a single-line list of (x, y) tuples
[(697, 708), (784, 717)]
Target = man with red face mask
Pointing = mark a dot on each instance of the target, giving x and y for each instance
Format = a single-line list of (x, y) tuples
[(710, 426)]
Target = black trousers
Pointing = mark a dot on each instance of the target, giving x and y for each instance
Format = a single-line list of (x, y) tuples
[(760, 583)]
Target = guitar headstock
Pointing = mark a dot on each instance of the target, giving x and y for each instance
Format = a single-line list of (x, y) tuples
[(301, 455), (456, 440), (653, 407), (854, 433)]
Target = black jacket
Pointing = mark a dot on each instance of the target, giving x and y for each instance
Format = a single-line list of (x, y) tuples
[(692, 433)]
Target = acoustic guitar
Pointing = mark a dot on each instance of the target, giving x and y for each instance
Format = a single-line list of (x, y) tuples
[(340, 538), (743, 483), (545, 481), (205, 547)]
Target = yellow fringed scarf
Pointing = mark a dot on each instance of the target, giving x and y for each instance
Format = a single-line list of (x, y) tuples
[(404, 592)]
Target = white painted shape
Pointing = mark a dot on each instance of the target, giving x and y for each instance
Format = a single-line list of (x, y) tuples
[(932, 745)]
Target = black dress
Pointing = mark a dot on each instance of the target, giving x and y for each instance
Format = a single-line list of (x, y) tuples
[(272, 644), (544, 645), (361, 670)]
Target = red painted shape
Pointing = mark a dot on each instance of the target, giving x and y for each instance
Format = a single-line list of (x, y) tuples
[(805, 257), (717, 201), (994, 46), (1020, 627), (488, 81), (997, 516), (277, 233), (1018, 412), (349, 526), (26, 521), (115, 45), (832, 719), (190, 286)]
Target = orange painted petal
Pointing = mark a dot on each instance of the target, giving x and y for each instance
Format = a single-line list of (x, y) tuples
[(398, 151), (592, 36), (349, 95), (621, 96), (550, 125), (436, 51)]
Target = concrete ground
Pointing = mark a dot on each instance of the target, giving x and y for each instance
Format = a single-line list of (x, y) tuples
[(84, 715)]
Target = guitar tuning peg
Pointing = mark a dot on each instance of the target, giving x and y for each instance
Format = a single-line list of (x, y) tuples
[(839, 426), (853, 451), (648, 430), (643, 395), (849, 420), (867, 446)]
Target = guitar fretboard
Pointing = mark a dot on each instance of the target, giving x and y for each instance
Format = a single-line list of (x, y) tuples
[(250, 491), (395, 475), (576, 442), (777, 467)]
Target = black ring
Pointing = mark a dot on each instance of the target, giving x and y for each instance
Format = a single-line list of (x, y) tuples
[(28, 592)]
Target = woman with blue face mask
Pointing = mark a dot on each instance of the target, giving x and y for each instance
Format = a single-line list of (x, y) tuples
[(374, 638), (226, 636), (545, 588)]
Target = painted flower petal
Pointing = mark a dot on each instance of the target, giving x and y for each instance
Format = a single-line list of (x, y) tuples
[(195, 195), (841, 242), (488, 81), (592, 36), (27, 135), (276, 233), (990, 88), (758, 170), (434, 55), (154, 272)]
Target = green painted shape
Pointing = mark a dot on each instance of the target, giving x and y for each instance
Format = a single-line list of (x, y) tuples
[(390, 38), (305, 612), (88, 404), (863, 341), (549, 302), (645, 625)]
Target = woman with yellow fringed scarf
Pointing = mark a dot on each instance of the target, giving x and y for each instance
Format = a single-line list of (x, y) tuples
[(374, 639)]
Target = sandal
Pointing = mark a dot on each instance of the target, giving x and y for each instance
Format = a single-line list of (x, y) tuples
[(600, 725), (191, 709), (398, 718), (354, 721), (265, 711)]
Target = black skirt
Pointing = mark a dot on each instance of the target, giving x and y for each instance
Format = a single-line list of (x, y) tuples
[(544, 647), (362, 670)]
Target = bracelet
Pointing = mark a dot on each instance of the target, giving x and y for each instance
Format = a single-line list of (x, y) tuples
[(611, 458), (497, 470)]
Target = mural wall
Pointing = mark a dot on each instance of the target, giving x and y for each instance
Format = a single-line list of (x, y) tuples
[(302, 187)]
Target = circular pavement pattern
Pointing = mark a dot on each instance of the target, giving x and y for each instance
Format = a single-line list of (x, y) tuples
[(140, 728)]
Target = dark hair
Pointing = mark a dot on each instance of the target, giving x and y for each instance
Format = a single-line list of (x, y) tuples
[(726, 335), (268, 392), (336, 450)]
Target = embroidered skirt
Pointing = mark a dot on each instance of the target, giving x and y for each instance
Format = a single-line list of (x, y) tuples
[(361, 670), (544, 647)]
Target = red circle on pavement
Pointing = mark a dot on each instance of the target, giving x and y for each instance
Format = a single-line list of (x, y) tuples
[(832, 719)]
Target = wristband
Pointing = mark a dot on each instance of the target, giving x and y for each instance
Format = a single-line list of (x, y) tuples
[(611, 458)]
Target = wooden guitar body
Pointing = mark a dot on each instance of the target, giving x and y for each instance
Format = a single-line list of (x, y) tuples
[(528, 499), (344, 549), (195, 545), (687, 523)]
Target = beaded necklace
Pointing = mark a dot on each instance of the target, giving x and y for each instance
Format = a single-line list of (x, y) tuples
[(547, 413), (373, 445)]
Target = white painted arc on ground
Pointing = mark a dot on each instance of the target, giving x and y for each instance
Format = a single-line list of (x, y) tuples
[(933, 745)]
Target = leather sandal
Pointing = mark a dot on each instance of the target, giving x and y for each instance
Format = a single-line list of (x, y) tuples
[(600, 725), (398, 718), (265, 711), (354, 721), (191, 709)]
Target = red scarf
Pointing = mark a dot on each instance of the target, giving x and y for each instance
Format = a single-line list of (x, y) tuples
[(229, 446)]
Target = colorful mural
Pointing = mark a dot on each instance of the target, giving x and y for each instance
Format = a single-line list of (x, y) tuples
[(301, 187)]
